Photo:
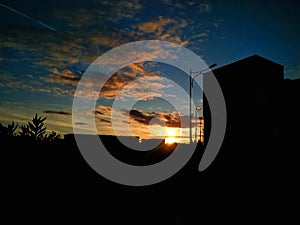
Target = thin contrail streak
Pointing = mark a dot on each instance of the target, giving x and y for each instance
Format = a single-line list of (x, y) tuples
[(28, 17)]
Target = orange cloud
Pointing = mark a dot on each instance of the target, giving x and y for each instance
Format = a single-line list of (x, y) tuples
[(166, 29), (124, 81), (102, 111), (62, 78), (155, 26), (66, 74)]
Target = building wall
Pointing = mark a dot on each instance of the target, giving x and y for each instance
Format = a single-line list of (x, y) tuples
[(251, 89)]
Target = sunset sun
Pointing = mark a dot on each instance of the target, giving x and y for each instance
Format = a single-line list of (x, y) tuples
[(171, 136)]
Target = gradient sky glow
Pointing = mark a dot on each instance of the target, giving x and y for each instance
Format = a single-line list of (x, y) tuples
[(40, 67)]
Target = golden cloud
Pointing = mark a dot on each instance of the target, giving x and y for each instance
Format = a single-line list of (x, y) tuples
[(167, 29)]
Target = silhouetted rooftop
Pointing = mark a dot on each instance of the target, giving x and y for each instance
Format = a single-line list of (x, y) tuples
[(251, 59)]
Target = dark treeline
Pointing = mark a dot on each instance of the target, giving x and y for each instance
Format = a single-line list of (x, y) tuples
[(34, 130)]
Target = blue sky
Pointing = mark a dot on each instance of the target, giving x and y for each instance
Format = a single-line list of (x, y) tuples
[(40, 68)]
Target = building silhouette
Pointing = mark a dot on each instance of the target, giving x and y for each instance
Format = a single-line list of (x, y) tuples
[(259, 156), (261, 146), (251, 89), (290, 117)]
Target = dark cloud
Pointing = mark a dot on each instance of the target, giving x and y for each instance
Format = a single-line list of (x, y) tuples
[(103, 113), (65, 74), (98, 113), (140, 116), (81, 123), (172, 119), (104, 120), (58, 112), (103, 110)]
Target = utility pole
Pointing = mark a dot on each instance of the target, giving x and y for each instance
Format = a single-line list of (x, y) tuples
[(191, 85), (197, 73), (198, 109)]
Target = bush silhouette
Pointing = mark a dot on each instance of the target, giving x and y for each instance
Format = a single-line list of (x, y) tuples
[(53, 136), (36, 130), (8, 131), (25, 132)]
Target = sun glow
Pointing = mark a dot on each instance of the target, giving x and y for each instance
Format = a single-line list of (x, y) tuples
[(171, 136), (171, 140)]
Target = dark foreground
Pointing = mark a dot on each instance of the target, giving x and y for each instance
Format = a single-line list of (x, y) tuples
[(244, 185)]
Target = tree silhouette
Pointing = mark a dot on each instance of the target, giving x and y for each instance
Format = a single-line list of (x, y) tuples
[(53, 136), (24, 131), (8, 131), (36, 130), (37, 127)]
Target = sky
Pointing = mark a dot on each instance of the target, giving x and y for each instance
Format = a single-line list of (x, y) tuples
[(47, 46)]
